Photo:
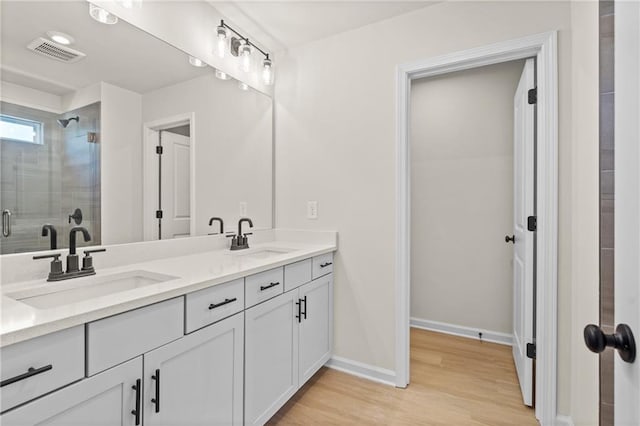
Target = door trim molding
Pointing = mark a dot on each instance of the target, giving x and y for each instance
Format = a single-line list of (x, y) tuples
[(149, 170), (544, 48)]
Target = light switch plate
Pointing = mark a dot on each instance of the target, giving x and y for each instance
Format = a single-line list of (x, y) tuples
[(243, 208), (312, 209)]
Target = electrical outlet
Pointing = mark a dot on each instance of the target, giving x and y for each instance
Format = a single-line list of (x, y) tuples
[(243, 208), (312, 209)]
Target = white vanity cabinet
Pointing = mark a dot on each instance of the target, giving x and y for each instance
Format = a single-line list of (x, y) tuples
[(287, 339), (109, 398), (197, 380)]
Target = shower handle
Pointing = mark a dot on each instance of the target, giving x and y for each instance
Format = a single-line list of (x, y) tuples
[(6, 223)]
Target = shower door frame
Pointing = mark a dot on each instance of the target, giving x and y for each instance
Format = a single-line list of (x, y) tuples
[(544, 48)]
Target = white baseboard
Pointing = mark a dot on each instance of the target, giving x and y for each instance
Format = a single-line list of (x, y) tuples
[(365, 371), (458, 330), (563, 420)]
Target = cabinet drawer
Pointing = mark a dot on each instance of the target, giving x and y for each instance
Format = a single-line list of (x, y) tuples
[(119, 338), (212, 304), (322, 265), (40, 365), (263, 286), (297, 274)]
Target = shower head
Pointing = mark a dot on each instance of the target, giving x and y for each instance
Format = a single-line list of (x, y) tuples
[(64, 122)]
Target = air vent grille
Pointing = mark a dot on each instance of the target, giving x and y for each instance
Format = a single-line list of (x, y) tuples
[(54, 50)]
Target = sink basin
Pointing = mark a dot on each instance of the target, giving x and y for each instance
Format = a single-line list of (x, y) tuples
[(76, 290), (262, 253)]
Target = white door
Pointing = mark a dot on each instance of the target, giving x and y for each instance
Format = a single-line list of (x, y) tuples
[(271, 356), (175, 191), (316, 325), (627, 203), (106, 399), (197, 380), (523, 252)]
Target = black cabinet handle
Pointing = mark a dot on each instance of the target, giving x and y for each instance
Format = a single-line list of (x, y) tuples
[(137, 412), (30, 373), (324, 265), (299, 315), (226, 302), (156, 400), (510, 239), (304, 313), (266, 287)]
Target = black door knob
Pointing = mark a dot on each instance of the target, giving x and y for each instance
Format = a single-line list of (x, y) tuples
[(622, 340), (510, 239)]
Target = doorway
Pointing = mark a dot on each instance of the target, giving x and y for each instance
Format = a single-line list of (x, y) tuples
[(543, 47), (472, 172), (169, 178)]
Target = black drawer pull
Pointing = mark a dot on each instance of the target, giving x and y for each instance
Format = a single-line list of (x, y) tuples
[(226, 302), (156, 400), (266, 287), (324, 265), (299, 316), (137, 411), (30, 373), (304, 313)]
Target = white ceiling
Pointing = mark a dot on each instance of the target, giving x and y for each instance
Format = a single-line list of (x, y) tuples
[(279, 25), (118, 54)]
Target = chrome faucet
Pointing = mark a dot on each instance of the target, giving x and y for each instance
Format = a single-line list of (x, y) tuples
[(73, 269), (240, 241)]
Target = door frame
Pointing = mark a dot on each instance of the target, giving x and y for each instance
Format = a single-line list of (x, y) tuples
[(544, 48), (150, 168)]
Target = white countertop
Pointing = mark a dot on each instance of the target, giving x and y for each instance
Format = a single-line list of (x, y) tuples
[(20, 321)]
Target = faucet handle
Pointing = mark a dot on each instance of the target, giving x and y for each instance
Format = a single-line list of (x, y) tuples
[(56, 265), (87, 260), (247, 233)]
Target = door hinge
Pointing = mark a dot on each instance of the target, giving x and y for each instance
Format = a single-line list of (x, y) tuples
[(532, 96), (532, 223), (159, 149), (531, 350), (158, 214)]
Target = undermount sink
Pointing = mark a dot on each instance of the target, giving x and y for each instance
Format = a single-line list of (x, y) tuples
[(262, 253), (76, 290)]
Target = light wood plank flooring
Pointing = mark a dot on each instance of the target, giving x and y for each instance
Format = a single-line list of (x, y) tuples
[(454, 381)]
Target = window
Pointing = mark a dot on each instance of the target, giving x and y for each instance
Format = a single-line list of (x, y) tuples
[(20, 130)]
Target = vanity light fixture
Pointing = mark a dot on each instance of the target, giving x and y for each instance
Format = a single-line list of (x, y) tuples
[(243, 49), (101, 15), (222, 75), (267, 71), (196, 62), (243, 86), (60, 37), (244, 53), (221, 44)]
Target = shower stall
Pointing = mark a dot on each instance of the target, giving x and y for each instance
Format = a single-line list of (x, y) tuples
[(49, 167)]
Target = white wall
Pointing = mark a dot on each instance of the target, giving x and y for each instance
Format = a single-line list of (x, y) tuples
[(462, 197), (233, 147), (121, 163), (32, 98), (335, 143)]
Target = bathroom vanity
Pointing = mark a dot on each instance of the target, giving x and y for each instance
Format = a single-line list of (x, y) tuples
[(212, 337)]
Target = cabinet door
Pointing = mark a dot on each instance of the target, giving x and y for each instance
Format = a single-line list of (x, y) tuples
[(108, 399), (197, 380), (316, 325), (271, 356)]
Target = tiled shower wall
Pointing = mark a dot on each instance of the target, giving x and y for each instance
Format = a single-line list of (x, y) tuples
[(607, 185), (45, 183)]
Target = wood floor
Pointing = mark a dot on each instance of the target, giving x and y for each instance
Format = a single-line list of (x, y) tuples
[(454, 381)]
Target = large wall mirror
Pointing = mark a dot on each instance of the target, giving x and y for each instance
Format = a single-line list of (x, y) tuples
[(110, 121)]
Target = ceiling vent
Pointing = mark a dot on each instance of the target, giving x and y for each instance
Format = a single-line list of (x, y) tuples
[(54, 50)]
